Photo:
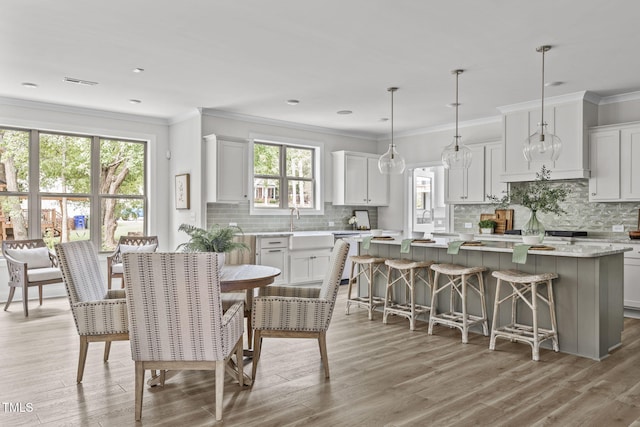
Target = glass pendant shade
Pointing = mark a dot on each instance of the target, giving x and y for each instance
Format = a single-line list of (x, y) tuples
[(456, 155), (542, 145), (391, 163)]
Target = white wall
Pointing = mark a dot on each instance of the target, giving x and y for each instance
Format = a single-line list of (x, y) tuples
[(68, 119)]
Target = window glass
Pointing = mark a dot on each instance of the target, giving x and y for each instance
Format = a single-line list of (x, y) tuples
[(54, 227), (121, 167), (299, 162), (128, 220), (266, 192), (14, 217), (300, 194), (65, 164), (14, 160), (266, 160)]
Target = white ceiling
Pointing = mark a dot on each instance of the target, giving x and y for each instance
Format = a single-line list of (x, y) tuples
[(249, 56)]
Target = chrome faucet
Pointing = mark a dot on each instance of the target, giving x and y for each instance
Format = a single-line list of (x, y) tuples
[(297, 212)]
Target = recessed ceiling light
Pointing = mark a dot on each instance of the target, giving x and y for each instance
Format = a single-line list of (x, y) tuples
[(138, 70), (293, 102), (135, 101), (384, 119), (548, 84), (345, 112), (79, 81), (30, 85)]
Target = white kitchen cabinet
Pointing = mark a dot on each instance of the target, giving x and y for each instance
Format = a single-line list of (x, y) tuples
[(274, 252), (632, 279), (604, 147), (493, 170), (308, 266), (357, 180), (615, 163), (568, 119), (467, 185), (227, 170)]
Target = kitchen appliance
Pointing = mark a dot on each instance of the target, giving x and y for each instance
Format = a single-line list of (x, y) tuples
[(353, 250)]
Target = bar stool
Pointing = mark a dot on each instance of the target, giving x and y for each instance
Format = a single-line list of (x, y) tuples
[(458, 276), (410, 273), (366, 266), (523, 284)]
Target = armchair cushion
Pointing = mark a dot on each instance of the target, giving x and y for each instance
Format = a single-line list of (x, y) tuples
[(35, 257), (291, 313), (117, 268), (40, 274), (138, 248)]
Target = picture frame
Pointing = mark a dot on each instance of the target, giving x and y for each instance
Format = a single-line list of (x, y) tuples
[(182, 191), (362, 218)]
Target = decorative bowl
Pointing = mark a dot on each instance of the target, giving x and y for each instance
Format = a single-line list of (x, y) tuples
[(531, 240), (467, 237), (376, 233)]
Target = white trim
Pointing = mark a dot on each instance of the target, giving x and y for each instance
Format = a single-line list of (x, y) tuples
[(284, 123), (15, 102), (184, 116), (441, 128), (623, 97), (561, 99)]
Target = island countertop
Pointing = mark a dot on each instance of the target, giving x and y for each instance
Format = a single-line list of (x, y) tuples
[(561, 249)]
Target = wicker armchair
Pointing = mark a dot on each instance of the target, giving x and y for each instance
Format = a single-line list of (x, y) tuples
[(29, 263), (100, 315), (176, 318), (298, 312), (126, 244)]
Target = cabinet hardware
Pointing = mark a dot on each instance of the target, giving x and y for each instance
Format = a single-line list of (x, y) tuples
[(275, 250), (593, 194)]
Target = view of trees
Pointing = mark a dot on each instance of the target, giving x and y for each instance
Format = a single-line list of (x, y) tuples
[(65, 174)]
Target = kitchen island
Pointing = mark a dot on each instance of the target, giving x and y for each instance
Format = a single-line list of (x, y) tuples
[(588, 292)]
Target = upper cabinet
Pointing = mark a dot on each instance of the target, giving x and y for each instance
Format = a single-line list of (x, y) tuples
[(567, 117), (467, 185), (357, 180), (493, 170), (227, 170), (615, 163)]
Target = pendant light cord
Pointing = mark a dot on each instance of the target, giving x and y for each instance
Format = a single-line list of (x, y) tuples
[(542, 97), (392, 89)]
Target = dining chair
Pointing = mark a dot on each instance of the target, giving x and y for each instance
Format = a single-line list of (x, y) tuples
[(176, 318), (299, 312), (100, 314), (127, 244), (29, 264)]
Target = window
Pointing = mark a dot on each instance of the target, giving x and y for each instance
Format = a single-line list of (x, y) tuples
[(284, 176), (79, 187)]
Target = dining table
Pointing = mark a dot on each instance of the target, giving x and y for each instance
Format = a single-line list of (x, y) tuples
[(240, 277)]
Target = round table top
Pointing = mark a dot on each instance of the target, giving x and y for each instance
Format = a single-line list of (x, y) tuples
[(246, 276)]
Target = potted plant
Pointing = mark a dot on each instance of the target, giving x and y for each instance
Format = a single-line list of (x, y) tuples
[(539, 196), (487, 226), (216, 239)]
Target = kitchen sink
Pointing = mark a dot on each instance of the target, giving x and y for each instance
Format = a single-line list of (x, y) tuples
[(302, 240)]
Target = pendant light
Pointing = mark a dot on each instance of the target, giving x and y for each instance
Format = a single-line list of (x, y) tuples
[(456, 155), (542, 145), (391, 163)]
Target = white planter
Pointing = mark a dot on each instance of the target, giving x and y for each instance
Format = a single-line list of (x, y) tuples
[(486, 230)]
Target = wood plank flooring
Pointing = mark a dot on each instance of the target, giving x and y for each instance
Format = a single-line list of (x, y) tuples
[(381, 375)]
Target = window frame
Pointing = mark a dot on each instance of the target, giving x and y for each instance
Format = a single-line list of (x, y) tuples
[(317, 150), (35, 195)]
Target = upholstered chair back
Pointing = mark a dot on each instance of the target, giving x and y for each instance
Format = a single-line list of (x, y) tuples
[(81, 272), (175, 309)]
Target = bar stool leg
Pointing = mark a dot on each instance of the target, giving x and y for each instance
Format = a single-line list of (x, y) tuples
[(434, 296), (388, 296), (370, 287), (496, 315), (411, 295), (534, 309), (352, 279), (552, 313), (465, 320), (483, 305)]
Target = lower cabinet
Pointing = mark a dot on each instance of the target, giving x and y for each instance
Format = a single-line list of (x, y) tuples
[(632, 280), (308, 266), (274, 252)]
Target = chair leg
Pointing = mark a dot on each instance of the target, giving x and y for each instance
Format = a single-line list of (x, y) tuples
[(257, 344), (40, 293), (109, 280), (84, 346), (12, 290), (220, 367), (139, 389), (322, 341), (25, 300), (107, 349), (240, 362), (249, 332)]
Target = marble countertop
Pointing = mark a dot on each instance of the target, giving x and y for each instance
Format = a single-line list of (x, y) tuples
[(560, 249)]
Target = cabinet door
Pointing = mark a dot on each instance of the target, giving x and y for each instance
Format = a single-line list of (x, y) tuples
[(631, 276), (604, 184), (630, 166), (455, 185), (276, 258), (516, 129), (474, 182), (320, 264), (355, 176), (377, 184), (232, 171), (301, 266), (493, 170)]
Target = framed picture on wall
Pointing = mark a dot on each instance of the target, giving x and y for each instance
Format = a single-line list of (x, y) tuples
[(182, 191)]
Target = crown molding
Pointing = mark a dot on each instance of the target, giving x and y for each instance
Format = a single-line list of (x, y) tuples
[(283, 123), (631, 96), (561, 99), (60, 108), (442, 128), (196, 112)]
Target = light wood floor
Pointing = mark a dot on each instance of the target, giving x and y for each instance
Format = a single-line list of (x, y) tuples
[(381, 375)]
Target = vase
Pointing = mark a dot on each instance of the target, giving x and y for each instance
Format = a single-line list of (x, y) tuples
[(533, 227)]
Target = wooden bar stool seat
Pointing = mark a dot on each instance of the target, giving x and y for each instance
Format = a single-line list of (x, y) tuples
[(366, 266), (458, 284), (411, 274), (524, 287)]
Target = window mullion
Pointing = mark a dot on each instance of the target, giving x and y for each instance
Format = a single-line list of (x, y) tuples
[(95, 199), (284, 189), (34, 197)]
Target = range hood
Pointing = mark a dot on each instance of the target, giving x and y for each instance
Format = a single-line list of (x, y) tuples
[(569, 117)]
